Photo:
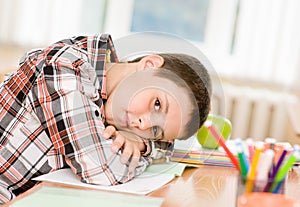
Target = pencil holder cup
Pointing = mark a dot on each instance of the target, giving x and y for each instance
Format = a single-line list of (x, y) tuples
[(259, 193), (262, 199), (222, 124), (267, 186)]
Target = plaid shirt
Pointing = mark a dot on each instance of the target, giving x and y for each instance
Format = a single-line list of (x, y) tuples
[(51, 117)]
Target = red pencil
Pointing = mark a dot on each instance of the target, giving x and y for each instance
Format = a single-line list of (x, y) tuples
[(221, 141)]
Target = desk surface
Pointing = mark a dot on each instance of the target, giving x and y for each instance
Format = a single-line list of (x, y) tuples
[(205, 186), (212, 186)]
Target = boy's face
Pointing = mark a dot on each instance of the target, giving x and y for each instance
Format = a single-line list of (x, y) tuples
[(149, 106)]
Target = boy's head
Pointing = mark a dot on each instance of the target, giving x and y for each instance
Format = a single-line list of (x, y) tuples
[(196, 77), (168, 97)]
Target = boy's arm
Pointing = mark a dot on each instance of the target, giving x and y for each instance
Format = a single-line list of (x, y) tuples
[(157, 151), (66, 106), (130, 145)]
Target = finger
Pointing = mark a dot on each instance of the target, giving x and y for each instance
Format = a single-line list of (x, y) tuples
[(126, 154), (108, 132), (118, 142), (134, 161)]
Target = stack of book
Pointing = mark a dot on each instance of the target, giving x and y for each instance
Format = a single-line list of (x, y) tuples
[(203, 156), (193, 153)]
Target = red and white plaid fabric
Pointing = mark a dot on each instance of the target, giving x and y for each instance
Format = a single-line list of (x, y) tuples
[(51, 117)]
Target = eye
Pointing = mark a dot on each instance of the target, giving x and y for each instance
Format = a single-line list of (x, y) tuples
[(157, 105)]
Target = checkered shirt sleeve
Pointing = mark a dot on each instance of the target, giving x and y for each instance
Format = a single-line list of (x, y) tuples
[(49, 118)]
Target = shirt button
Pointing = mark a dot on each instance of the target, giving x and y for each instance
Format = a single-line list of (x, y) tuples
[(97, 113)]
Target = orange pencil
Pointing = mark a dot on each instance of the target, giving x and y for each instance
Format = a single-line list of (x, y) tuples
[(221, 142), (253, 168)]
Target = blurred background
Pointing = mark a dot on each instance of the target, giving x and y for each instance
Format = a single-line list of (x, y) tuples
[(254, 46)]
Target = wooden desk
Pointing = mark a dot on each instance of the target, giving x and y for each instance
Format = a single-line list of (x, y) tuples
[(204, 186), (212, 186)]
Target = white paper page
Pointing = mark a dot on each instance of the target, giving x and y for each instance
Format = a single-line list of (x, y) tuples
[(188, 144), (142, 185)]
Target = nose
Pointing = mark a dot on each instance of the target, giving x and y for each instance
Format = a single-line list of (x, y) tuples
[(142, 122)]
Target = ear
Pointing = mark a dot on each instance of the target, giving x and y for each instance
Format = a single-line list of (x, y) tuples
[(150, 61)]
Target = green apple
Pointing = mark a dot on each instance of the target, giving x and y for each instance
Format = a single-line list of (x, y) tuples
[(222, 124)]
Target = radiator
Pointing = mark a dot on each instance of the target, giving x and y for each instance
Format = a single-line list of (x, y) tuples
[(254, 112)]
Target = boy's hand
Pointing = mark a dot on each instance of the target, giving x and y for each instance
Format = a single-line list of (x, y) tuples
[(130, 144)]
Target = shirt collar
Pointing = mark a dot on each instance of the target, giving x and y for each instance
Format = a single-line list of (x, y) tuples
[(100, 51)]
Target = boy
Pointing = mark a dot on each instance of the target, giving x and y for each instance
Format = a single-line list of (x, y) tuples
[(64, 103)]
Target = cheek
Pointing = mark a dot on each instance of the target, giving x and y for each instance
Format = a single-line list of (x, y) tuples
[(137, 106), (175, 121)]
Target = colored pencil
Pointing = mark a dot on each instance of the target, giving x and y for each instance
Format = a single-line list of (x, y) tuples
[(275, 170), (252, 170), (244, 165), (221, 142), (284, 170), (250, 146)]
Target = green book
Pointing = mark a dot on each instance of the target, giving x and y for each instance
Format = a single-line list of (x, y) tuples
[(48, 196)]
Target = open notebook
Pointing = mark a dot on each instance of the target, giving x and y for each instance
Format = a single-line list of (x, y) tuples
[(153, 178)]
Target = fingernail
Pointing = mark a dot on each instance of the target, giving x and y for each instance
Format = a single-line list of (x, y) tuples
[(105, 135), (131, 172), (131, 169), (123, 160), (114, 148)]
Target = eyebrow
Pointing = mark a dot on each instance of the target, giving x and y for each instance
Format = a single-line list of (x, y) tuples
[(167, 105)]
